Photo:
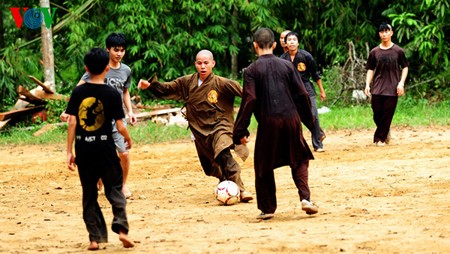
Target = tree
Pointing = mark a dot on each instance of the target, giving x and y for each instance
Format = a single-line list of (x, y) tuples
[(165, 35), (423, 27)]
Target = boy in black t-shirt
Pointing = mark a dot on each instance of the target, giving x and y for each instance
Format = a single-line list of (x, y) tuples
[(92, 107)]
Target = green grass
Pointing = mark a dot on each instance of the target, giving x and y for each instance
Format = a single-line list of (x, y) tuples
[(144, 133), (409, 113), (412, 113)]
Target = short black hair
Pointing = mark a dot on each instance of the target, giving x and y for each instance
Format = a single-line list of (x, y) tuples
[(96, 60), (264, 38), (116, 40), (290, 34), (384, 26)]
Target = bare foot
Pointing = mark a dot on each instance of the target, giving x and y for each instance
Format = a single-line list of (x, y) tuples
[(93, 246), (126, 241), (99, 185)]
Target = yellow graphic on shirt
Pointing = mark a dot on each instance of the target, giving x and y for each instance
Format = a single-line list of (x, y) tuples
[(91, 114), (301, 66), (213, 96)]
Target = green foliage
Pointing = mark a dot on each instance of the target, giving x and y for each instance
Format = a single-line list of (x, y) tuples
[(164, 37), (423, 26), (54, 108), (14, 68)]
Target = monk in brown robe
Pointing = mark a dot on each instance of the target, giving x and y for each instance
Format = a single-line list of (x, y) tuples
[(209, 101), (274, 92)]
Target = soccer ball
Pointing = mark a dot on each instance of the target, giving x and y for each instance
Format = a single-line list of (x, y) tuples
[(227, 193)]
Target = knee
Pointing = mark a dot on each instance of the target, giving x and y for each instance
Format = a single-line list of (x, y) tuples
[(124, 156)]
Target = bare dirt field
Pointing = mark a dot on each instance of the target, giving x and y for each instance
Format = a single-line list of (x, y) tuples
[(392, 199)]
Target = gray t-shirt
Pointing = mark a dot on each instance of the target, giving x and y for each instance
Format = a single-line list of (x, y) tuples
[(119, 79)]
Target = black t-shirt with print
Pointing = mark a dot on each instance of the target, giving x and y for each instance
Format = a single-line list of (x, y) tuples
[(305, 64), (95, 106)]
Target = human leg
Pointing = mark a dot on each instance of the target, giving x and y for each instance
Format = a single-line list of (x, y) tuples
[(223, 166), (317, 134), (232, 171), (266, 192), (92, 214), (300, 177), (384, 109), (113, 181), (125, 164), (390, 105), (124, 156), (230, 168), (206, 158), (377, 109)]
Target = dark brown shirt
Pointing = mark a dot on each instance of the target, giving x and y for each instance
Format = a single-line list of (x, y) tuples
[(275, 94), (386, 64)]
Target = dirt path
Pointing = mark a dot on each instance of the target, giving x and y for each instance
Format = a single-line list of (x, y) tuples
[(392, 199)]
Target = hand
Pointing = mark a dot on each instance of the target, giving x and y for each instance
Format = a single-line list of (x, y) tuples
[(133, 119), (367, 91), (143, 84), (323, 96), (244, 140), (400, 89), (128, 143), (71, 162), (64, 117)]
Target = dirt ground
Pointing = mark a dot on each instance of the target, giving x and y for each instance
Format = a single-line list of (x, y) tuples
[(392, 199)]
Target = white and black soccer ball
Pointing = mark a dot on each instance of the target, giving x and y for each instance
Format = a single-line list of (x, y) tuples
[(227, 193)]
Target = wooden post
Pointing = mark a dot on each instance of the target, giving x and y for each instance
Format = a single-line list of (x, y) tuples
[(47, 50)]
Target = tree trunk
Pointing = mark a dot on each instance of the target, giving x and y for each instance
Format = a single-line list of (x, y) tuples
[(47, 50), (234, 57)]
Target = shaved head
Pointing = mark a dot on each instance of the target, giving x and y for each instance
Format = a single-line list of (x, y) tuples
[(205, 53), (204, 63), (282, 43)]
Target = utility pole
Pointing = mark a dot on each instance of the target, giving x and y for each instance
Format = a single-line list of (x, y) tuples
[(47, 50)]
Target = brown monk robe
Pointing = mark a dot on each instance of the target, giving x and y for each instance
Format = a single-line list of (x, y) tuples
[(209, 102)]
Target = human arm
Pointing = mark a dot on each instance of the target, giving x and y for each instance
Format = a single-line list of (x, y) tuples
[(124, 132), (72, 123), (323, 95), (369, 77), (248, 102), (401, 83), (175, 90), (311, 67), (127, 102), (231, 87)]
